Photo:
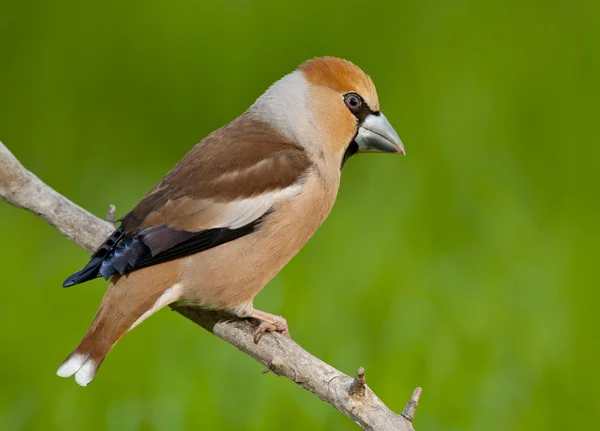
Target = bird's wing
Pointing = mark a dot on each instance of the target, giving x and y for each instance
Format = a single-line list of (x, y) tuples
[(218, 192)]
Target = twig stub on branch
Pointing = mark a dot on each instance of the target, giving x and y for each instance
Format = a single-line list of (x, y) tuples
[(358, 384), (111, 215), (412, 404)]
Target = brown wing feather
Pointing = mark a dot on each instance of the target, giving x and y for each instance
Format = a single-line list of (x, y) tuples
[(243, 159)]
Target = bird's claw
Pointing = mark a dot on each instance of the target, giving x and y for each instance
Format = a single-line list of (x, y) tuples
[(278, 324)]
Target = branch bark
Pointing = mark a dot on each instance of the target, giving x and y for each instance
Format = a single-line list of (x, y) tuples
[(279, 354)]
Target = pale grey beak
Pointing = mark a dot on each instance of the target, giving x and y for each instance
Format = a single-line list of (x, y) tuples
[(376, 135)]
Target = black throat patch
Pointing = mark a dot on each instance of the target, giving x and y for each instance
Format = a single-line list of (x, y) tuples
[(360, 118), (350, 151)]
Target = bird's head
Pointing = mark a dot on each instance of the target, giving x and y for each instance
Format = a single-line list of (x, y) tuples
[(329, 102)]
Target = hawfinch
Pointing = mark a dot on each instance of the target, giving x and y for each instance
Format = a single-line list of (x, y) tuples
[(240, 204)]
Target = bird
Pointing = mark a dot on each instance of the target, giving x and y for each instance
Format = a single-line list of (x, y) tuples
[(236, 208)]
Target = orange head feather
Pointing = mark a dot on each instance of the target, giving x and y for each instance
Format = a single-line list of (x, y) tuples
[(341, 76)]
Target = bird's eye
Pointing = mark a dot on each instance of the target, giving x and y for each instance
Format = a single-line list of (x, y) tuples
[(353, 101)]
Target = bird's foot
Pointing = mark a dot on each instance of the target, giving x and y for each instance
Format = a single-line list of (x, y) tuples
[(269, 323)]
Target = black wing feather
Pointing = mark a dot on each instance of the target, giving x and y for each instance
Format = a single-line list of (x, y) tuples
[(121, 254), (90, 271), (202, 241)]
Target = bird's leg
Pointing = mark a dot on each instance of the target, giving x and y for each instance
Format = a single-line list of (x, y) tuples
[(269, 323)]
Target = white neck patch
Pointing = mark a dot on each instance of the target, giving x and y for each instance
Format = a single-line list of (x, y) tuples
[(285, 106)]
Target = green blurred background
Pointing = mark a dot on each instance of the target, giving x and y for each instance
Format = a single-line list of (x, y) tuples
[(468, 268)]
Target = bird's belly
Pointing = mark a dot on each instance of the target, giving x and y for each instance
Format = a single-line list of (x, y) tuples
[(228, 277)]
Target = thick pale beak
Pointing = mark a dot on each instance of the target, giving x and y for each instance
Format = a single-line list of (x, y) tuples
[(376, 135)]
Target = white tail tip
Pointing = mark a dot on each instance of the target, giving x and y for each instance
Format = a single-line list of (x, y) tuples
[(81, 365), (86, 373), (72, 365)]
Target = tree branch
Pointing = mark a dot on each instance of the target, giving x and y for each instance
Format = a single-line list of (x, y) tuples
[(279, 354)]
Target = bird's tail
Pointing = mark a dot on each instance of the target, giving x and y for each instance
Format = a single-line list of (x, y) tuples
[(117, 315), (84, 361), (109, 326)]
